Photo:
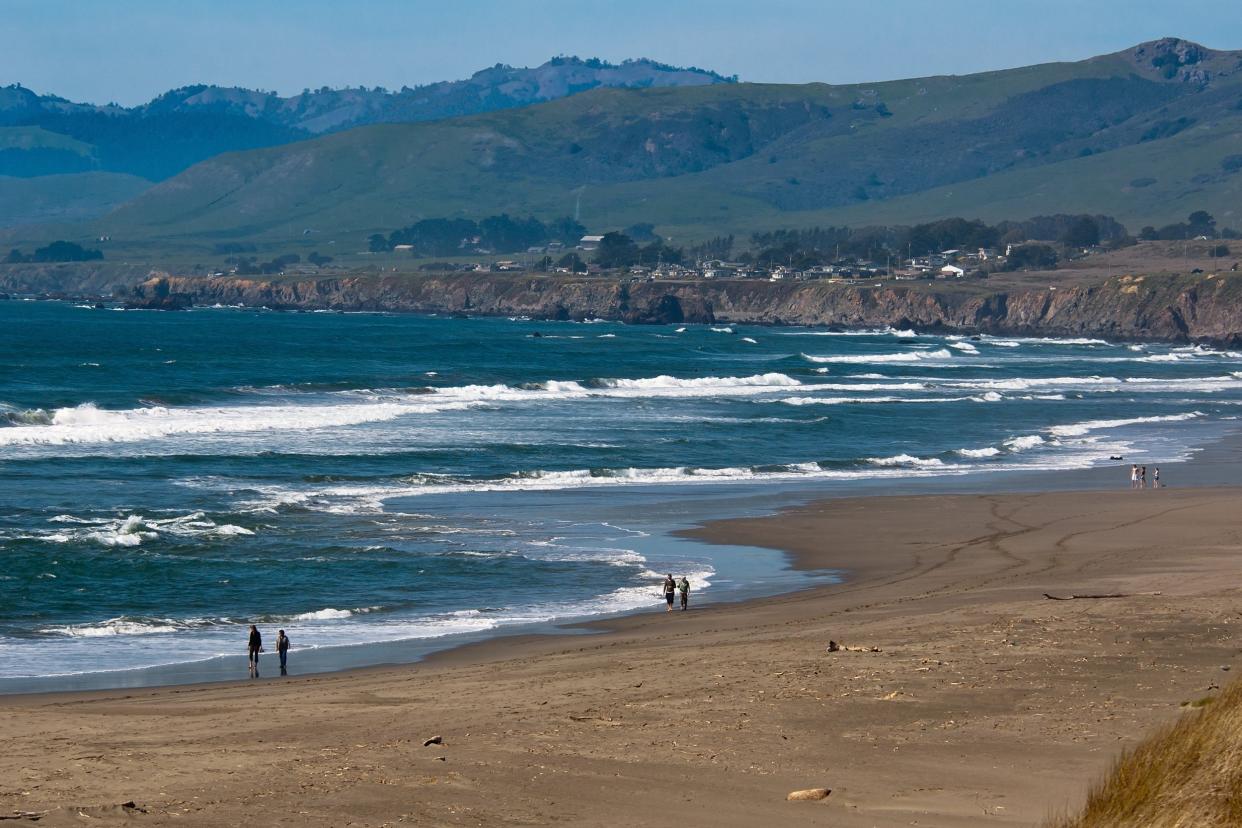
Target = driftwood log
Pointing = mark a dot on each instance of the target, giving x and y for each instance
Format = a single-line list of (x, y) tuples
[(1051, 597)]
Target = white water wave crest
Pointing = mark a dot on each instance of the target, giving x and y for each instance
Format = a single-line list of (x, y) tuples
[(867, 359), (134, 530), (87, 423)]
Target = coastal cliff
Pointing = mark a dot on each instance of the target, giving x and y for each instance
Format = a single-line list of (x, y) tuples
[(1201, 308)]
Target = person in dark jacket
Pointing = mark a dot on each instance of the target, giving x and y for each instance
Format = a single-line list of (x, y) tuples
[(255, 647)]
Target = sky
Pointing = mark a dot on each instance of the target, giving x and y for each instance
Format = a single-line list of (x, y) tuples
[(129, 51)]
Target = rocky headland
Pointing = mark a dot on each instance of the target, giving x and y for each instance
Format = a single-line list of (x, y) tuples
[(1175, 308), (1199, 308)]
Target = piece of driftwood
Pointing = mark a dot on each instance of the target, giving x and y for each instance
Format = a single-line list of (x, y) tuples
[(1051, 597)]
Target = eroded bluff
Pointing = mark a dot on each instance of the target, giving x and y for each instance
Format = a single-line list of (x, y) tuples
[(1172, 308)]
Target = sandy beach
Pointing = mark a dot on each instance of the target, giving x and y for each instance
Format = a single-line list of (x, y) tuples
[(962, 695)]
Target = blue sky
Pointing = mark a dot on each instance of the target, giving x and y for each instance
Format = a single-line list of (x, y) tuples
[(129, 50)]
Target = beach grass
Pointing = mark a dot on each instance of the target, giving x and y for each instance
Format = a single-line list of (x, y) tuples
[(1188, 773)]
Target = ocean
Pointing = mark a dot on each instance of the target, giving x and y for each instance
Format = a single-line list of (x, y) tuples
[(167, 479)]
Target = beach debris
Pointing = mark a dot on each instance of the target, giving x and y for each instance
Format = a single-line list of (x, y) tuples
[(833, 646), (808, 795), (1051, 597), (434, 740)]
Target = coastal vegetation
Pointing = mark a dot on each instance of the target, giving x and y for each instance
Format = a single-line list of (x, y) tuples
[(57, 251), (1187, 773)]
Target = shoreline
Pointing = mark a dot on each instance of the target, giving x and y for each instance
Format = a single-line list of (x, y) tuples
[(933, 328), (1209, 465), (984, 702)]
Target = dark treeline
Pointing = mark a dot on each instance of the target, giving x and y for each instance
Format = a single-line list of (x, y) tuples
[(57, 251), (497, 234), (1198, 223), (1035, 242), (824, 244)]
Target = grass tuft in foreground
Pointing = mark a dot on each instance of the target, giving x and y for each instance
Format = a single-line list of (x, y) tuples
[(1186, 775)]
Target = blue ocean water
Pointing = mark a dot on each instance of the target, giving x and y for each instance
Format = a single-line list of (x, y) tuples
[(167, 479)]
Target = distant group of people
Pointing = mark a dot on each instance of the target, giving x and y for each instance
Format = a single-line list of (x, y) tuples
[(1138, 477), (673, 587), (256, 646)]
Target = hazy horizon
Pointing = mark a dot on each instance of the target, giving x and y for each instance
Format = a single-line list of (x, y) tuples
[(131, 56)]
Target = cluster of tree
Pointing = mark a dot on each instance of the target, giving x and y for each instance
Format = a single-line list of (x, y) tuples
[(618, 250), (1032, 257), (1198, 223), (57, 251), (822, 245), (249, 266), (721, 247), (498, 234), (933, 237)]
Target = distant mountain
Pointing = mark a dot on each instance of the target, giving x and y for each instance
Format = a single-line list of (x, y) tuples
[(1148, 134), (47, 135), (500, 87)]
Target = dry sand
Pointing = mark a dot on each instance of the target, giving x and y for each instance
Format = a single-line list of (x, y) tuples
[(986, 704)]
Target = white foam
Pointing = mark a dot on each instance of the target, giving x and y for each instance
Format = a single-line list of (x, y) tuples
[(135, 530), (369, 499), (1028, 441), (1079, 429), (906, 334), (327, 614), (867, 359), (87, 423), (990, 451), (115, 626), (1048, 340), (964, 347), (907, 460), (866, 400)]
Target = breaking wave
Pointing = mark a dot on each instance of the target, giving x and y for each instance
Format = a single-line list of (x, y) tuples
[(867, 359)]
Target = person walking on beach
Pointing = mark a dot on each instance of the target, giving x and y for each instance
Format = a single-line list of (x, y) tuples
[(255, 647), (683, 586), (282, 649), (1155, 478), (1142, 477), (1133, 475), (670, 589)]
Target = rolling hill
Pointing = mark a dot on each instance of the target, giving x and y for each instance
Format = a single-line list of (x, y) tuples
[(44, 136), (1146, 134), (48, 135)]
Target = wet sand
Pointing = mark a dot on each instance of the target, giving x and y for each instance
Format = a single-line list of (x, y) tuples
[(984, 703)]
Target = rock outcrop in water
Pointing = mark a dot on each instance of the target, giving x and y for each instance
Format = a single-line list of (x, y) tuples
[(1171, 308)]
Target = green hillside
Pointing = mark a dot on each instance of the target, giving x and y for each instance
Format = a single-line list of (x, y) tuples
[(1146, 135), (63, 198)]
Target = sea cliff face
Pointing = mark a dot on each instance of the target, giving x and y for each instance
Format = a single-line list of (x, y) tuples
[(1200, 308), (1171, 308)]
